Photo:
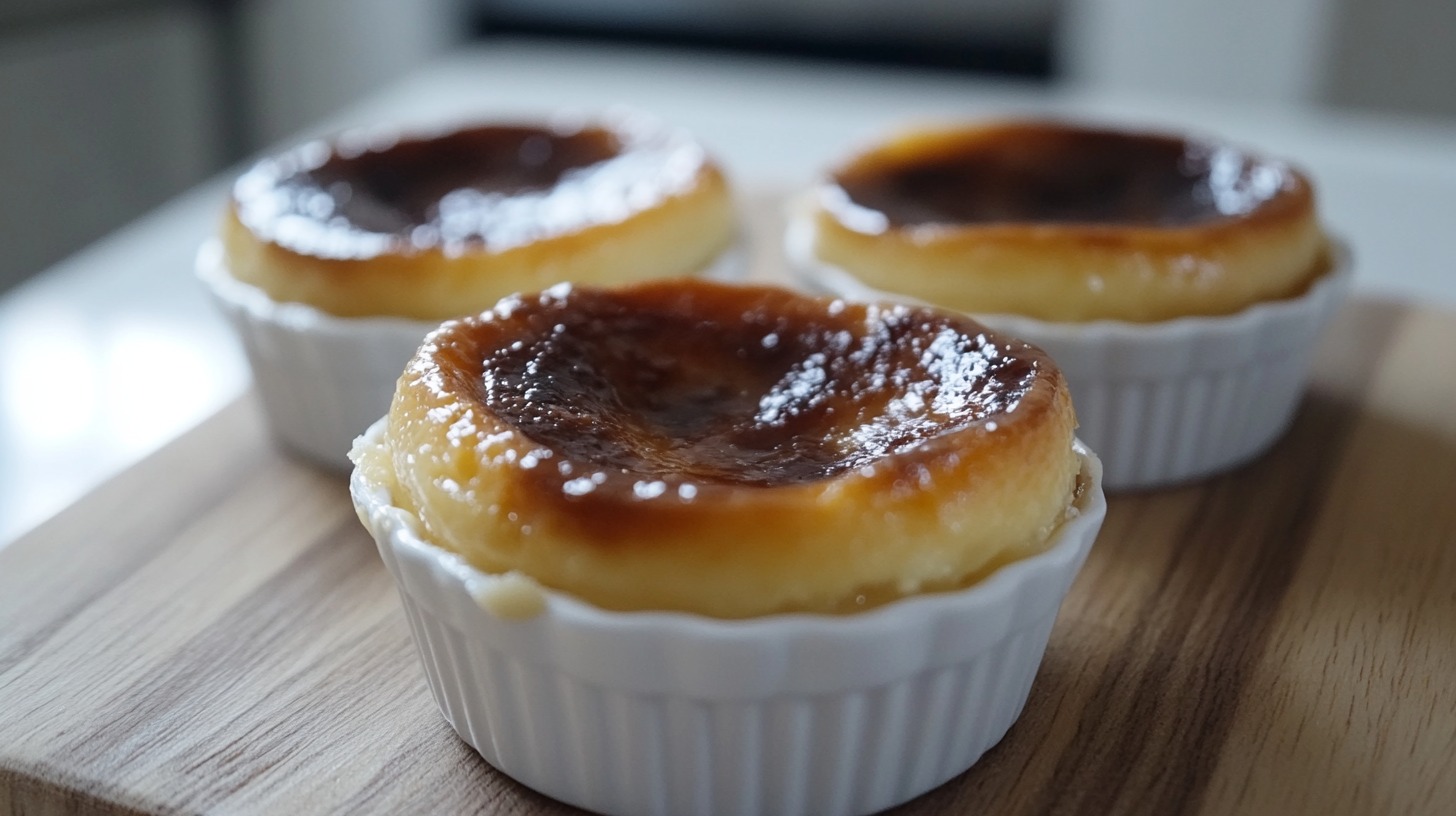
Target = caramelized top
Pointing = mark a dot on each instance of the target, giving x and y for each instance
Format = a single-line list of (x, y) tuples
[(490, 187), (1050, 173), (667, 386)]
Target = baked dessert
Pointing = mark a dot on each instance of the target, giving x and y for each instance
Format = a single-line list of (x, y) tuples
[(1179, 283), (431, 227), (1068, 223), (729, 451), (686, 548), (335, 259)]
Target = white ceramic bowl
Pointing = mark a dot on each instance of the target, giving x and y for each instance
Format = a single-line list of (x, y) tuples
[(323, 379), (672, 714), (1166, 402)]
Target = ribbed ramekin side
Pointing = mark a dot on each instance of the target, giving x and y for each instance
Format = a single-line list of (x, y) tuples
[(616, 752)]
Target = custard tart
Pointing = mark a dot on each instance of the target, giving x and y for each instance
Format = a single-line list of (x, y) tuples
[(687, 548), (1179, 282), (336, 258), (433, 227), (1070, 224), (729, 451)]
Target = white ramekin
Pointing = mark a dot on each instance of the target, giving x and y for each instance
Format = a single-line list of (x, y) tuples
[(1167, 402), (323, 379), (731, 265), (674, 714)]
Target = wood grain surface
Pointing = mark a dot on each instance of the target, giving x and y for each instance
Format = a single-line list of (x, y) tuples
[(213, 632)]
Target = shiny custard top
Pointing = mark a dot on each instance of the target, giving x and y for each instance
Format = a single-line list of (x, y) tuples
[(490, 187), (1051, 174), (668, 386)]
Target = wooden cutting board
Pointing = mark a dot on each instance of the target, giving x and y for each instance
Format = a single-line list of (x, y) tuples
[(213, 631)]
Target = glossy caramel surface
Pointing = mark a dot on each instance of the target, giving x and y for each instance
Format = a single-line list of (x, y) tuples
[(1033, 172), (1068, 224), (688, 384), (730, 451), (482, 188)]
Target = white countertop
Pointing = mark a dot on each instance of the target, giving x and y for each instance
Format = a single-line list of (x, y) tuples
[(145, 358)]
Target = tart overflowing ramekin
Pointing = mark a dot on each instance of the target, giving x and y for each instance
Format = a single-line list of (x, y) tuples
[(1180, 284), (622, 698), (336, 258)]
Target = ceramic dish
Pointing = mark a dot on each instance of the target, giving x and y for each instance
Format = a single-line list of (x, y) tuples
[(671, 713), (1163, 402)]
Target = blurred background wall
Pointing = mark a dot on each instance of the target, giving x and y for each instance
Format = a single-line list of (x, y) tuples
[(108, 107)]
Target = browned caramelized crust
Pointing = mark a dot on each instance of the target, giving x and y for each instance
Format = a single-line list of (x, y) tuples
[(730, 451), (434, 227), (1069, 223)]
